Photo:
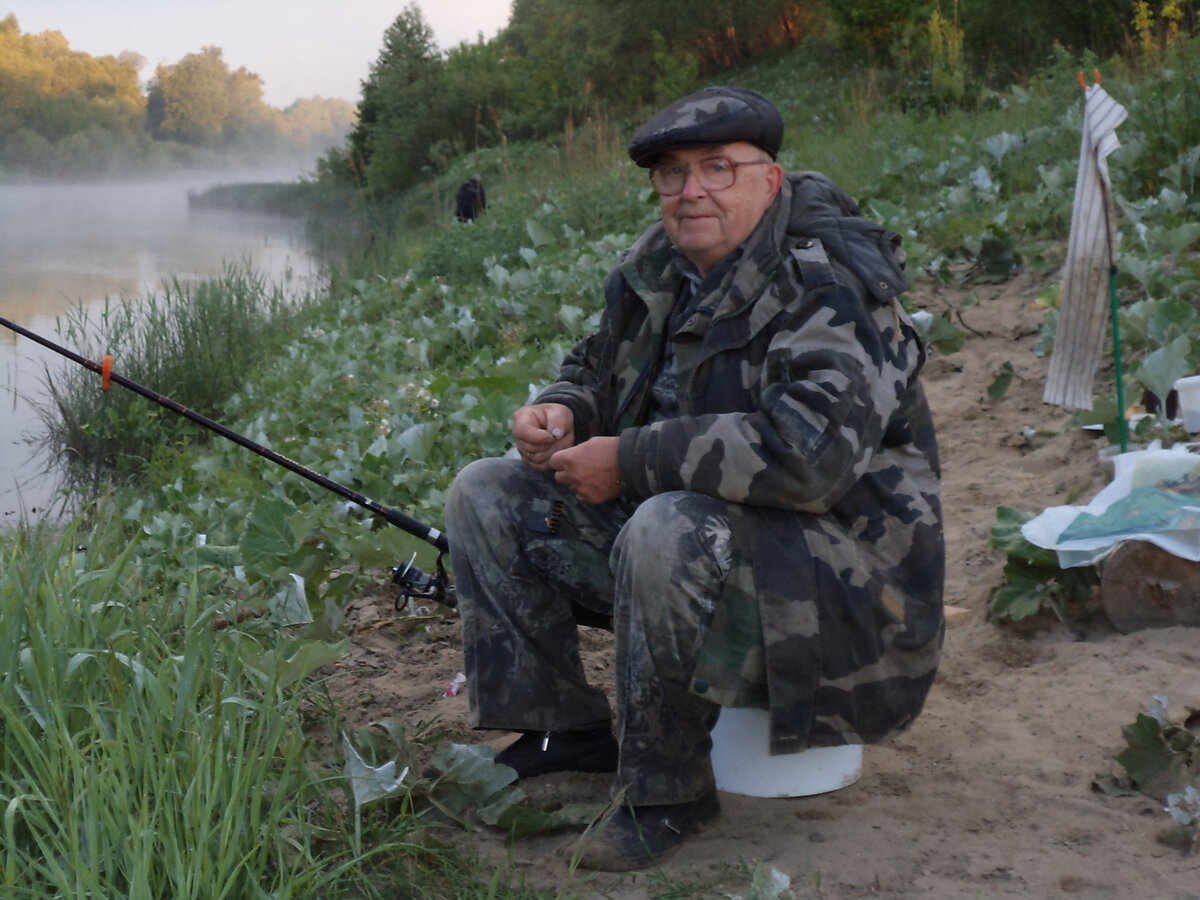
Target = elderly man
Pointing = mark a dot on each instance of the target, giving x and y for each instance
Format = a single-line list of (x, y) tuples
[(738, 470)]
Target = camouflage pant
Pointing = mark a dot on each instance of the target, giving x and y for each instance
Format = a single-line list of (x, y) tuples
[(531, 561)]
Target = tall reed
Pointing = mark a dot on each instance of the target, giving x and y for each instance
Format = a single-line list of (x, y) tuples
[(195, 343)]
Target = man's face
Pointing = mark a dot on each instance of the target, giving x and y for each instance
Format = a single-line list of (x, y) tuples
[(706, 225)]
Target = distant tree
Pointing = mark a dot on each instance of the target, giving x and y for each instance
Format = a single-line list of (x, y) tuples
[(1010, 38), (621, 52), (50, 91), (195, 97), (875, 25), (314, 120), (397, 121), (246, 113)]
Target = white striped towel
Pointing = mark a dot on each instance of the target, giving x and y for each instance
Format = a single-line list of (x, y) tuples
[(1091, 248)]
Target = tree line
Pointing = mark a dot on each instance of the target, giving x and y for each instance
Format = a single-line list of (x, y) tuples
[(562, 61), (66, 112)]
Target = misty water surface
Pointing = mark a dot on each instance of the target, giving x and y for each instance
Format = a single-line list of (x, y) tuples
[(61, 245)]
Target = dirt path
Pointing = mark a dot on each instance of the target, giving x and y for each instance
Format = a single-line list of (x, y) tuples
[(990, 793)]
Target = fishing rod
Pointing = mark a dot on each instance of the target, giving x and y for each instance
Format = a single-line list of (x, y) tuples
[(413, 582)]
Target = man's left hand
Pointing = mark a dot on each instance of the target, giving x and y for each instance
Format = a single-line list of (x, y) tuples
[(590, 470)]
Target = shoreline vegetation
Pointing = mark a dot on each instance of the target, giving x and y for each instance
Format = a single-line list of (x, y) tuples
[(65, 114), (168, 731)]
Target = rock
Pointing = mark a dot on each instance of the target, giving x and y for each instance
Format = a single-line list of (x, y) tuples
[(1144, 586)]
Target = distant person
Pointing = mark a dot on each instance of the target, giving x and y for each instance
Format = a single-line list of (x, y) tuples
[(471, 199)]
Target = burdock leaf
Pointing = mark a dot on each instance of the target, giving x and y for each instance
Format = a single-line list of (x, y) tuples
[(1007, 537), (297, 659), (1161, 369), (470, 779), (1147, 755), (999, 387), (538, 233), (370, 783), (269, 538), (521, 820), (1021, 597)]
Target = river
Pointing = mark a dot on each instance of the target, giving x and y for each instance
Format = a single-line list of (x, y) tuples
[(62, 245)]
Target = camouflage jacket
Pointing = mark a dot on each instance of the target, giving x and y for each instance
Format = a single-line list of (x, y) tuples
[(800, 404)]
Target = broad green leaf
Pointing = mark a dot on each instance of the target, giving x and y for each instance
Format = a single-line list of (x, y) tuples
[(416, 441), (538, 233), (1006, 537), (1022, 596), (944, 336), (1178, 240), (269, 540), (471, 778), (886, 211), (370, 783), (1147, 755), (295, 660), (222, 556), (999, 387), (999, 144), (289, 606), (520, 820), (1161, 369)]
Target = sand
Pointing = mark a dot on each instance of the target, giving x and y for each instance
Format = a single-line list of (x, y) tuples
[(990, 793)]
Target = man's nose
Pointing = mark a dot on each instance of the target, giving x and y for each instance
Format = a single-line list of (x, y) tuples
[(692, 186)]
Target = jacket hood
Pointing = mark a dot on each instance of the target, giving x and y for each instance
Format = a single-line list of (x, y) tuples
[(820, 209)]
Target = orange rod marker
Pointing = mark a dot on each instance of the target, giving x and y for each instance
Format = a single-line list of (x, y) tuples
[(105, 372)]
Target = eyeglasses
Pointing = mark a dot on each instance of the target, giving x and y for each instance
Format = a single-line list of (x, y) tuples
[(716, 173)]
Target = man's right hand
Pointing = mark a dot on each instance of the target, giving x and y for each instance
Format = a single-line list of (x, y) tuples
[(541, 430)]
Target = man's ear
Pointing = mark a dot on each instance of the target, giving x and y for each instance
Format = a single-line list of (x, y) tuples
[(775, 176)]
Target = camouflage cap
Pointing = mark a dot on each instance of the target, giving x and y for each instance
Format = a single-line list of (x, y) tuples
[(710, 118)]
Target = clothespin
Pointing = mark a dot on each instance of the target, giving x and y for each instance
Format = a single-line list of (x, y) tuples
[(1083, 84)]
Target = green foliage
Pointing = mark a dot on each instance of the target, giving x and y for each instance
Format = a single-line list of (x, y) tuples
[(875, 24), (192, 343), (1161, 759), (129, 738), (397, 126), (136, 718), (66, 113), (1033, 581), (1012, 38), (195, 97), (558, 63)]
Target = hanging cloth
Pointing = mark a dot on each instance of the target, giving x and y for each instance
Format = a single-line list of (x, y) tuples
[(1091, 251)]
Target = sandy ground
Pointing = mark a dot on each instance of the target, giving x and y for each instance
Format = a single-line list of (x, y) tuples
[(989, 794)]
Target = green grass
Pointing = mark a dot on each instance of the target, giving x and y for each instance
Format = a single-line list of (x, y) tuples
[(141, 757), (130, 726), (146, 754), (194, 343)]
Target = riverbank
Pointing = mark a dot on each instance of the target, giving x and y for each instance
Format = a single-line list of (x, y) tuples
[(67, 248), (410, 366)]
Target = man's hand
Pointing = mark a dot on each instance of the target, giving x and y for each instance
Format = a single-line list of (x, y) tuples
[(590, 471), (541, 430)]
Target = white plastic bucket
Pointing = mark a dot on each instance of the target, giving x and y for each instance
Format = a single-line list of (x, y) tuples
[(743, 765), (1188, 390)]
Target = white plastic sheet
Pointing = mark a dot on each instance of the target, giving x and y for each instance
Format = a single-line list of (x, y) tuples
[(1154, 496)]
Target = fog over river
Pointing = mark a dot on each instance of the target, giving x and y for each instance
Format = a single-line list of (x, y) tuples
[(66, 244)]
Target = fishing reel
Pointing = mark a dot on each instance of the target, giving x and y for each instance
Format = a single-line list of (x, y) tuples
[(416, 584)]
